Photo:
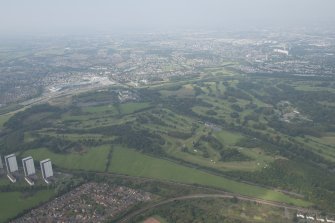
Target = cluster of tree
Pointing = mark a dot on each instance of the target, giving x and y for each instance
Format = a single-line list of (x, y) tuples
[(284, 148), (184, 105), (149, 95), (234, 115), (213, 142), (11, 141), (67, 184), (21, 119), (248, 142), (55, 144), (299, 176), (97, 97), (139, 139), (249, 84), (236, 107), (237, 93), (22, 189), (205, 210), (307, 102), (198, 91), (142, 140), (296, 129), (180, 135), (233, 155), (211, 112), (148, 118)]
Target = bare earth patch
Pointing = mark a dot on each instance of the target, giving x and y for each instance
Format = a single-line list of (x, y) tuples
[(151, 220)]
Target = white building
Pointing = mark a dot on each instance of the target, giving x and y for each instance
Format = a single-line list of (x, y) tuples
[(320, 220), (46, 168), (11, 163), (310, 218), (281, 51), (300, 216), (1, 165), (28, 166)]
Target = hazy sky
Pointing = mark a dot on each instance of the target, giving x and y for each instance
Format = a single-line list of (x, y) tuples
[(21, 16)]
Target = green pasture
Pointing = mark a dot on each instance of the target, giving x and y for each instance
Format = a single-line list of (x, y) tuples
[(130, 162), (94, 159), (13, 203)]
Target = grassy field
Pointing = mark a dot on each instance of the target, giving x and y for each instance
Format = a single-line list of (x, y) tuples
[(329, 139), (126, 108), (13, 203), (4, 181), (93, 160), (258, 161), (228, 138), (71, 137), (184, 91), (322, 146), (110, 109), (4, 118), (130, 162), (132, 107), (306, 87), (94, 120)]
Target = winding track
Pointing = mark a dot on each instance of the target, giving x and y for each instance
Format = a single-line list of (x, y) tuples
[(217, 194), (201, 196)]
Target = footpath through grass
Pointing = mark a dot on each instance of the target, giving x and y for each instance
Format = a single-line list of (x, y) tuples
[(133, 163)]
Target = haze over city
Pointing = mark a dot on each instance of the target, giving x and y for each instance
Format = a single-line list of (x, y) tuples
[(88, 16)]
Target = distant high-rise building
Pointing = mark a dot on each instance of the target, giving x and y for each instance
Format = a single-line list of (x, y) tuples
[(28, 166), (29, 169), (281, 51), (1, 165), (46, 168), (11, 163)]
